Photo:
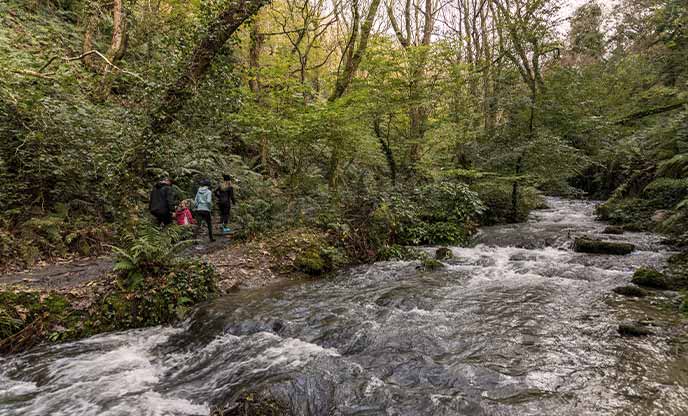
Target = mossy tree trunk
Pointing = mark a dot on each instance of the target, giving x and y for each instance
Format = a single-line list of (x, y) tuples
[(194, 70)]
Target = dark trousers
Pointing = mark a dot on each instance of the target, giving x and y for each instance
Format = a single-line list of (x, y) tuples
[(207, 218), (224, 213), (162, 218)]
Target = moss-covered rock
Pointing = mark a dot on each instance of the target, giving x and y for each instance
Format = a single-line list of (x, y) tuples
[(429, 263), (634, 330), (650, 278), (589, 245), (630, 290), (310, 262), (443, 253), (613, 229)]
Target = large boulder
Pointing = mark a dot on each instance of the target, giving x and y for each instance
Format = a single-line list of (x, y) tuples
[(589, 245)]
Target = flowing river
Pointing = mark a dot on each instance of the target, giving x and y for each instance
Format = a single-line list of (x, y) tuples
[(517, 325)]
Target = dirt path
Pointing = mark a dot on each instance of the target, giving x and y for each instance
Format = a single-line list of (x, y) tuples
[(238, 264)]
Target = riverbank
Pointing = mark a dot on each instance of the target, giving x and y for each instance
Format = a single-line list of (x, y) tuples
[(73, 300)]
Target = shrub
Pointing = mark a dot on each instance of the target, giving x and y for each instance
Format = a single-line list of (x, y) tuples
[(498, 204), (150, 252), (665, 193)]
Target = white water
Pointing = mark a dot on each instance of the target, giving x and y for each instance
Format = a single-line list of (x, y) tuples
[(518, 325)]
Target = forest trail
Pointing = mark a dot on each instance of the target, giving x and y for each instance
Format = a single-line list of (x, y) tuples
[(517, 325), (238, 264)]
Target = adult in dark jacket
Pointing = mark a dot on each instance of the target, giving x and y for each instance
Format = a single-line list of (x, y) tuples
[(162, 202), (224, 194)]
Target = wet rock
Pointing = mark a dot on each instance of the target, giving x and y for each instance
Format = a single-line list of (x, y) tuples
[(650, 278), (431, 264), (633, 330), (613, 229), (630, 290), (588, 245), (443, 253)]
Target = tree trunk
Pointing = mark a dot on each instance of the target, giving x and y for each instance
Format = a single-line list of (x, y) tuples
[(254, 58), (386, 150), (356, 53), (196, 67), (89, 40), (117, 47)]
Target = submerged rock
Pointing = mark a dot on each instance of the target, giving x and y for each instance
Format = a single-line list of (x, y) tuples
[(650, 278), (443, 253), (588, 245), (630, 290), (634, 330), (613, 229)]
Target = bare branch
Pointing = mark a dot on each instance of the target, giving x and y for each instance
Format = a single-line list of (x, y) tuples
[(82, 56)]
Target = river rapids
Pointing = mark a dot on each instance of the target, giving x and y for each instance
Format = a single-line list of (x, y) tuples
[(519, 324)]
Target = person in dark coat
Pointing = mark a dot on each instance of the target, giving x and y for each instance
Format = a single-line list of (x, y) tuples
[(162, 202), (224, 194)]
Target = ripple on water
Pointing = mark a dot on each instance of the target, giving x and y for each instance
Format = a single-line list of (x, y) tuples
[(517, 325)]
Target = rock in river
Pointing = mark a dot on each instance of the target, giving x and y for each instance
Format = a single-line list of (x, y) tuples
[(588, 245)]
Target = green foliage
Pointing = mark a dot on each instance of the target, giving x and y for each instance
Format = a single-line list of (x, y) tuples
[(676, 167), (666, 192), (497, 199), (27, 318), (438, 213), (149, 252), (158, 298)]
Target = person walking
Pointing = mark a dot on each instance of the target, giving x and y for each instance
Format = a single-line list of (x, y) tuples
[(162, 203), (204, 206), (225, 199), (184, 216)]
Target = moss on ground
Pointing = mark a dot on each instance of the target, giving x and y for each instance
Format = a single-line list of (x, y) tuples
[(311, 262)]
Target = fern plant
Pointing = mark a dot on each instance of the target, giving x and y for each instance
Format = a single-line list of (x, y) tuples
[(148, 252)]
